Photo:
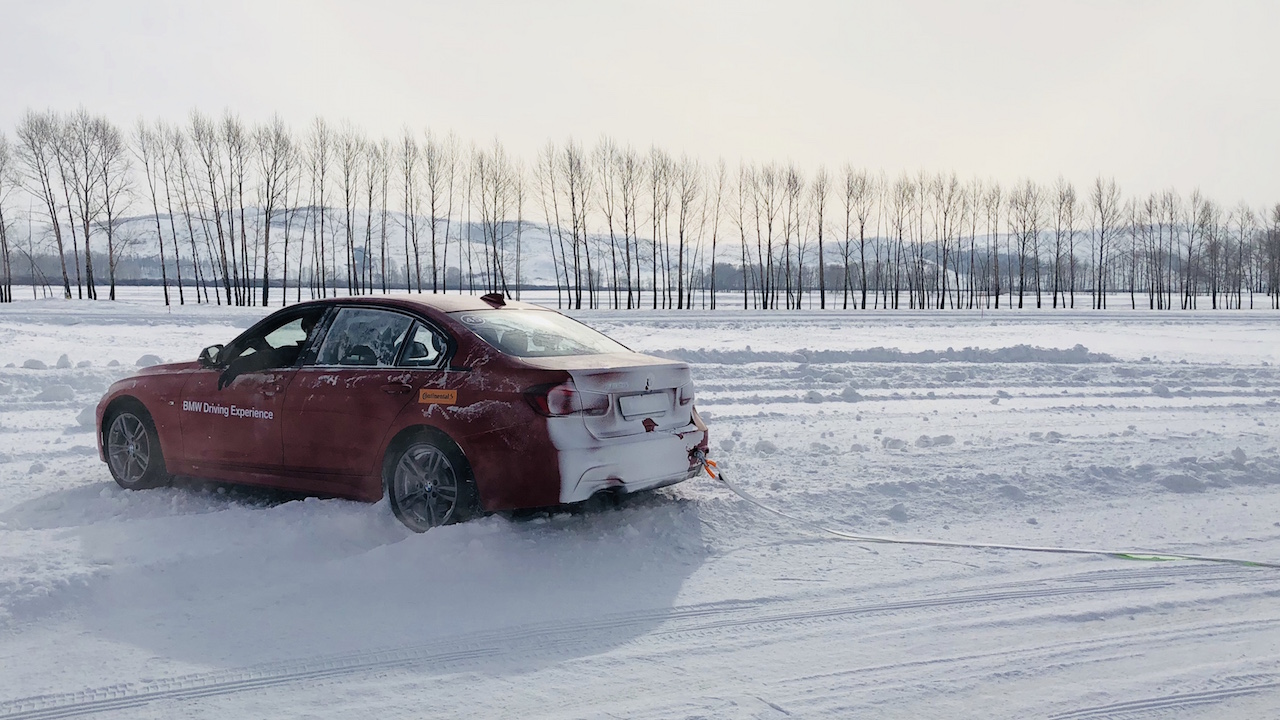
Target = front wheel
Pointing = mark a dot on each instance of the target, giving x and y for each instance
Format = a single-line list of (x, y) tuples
[(428, 483), (133, 451)]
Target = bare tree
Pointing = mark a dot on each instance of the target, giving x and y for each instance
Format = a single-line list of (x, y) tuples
[(1107, 212), (372, 170), (320, 147), (350, 148), (721, 179), (946, 201), (208, 146), (1244, 220), (37, 152), (166, 159), (579, 180), (688, 184), (117, 187), (384, 187), (291, 192), (8, 181), (183, 165), (548, 174), (1064, 219), (605, 157), (993, 201), (410, 159), (818, 192), (238, 145), (275, 155), (1025, 208), (496, 190), (148, 147), (78, 158), (441, 174)]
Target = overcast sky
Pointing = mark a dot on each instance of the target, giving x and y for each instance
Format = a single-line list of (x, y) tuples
[(1157, 93)]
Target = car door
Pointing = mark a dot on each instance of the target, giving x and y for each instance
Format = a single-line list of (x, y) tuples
[(341, 403), (232, 413)]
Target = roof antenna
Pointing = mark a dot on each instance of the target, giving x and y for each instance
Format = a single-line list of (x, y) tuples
[(494, 299)]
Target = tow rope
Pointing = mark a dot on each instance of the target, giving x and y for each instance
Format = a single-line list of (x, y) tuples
[(1158, 556)]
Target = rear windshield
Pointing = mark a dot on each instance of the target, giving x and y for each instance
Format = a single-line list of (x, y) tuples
[(536, 333)]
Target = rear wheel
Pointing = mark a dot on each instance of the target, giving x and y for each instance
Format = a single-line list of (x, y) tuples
[(133, 450), (428, 483)]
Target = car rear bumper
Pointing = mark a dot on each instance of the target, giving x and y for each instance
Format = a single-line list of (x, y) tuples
[(629, 464)]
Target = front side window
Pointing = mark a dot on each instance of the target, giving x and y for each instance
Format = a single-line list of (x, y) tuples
[(363, 337), (276, 345), (536, 333)]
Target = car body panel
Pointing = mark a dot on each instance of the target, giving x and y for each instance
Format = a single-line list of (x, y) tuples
[(327, 430), (235, 427)]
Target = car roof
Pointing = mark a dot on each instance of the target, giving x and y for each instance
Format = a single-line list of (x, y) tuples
[(439, 303)]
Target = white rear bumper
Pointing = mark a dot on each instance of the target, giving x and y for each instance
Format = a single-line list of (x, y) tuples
[(627, 464)]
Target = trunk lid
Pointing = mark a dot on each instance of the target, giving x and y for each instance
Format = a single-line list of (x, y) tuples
[(640, 388)]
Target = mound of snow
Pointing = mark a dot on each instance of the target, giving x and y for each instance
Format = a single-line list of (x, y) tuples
[(57, 392), (87, 417), (1182, 484), (64, 362), (148, 360), (34, 364), (1077, 355), (764, 447)]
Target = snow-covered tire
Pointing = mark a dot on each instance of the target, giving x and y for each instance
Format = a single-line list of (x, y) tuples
[(133, 448), (428, 482)]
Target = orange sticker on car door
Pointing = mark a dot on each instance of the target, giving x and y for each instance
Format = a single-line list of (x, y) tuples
[(435, 396)]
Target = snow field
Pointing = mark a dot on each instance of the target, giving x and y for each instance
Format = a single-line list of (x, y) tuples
[(1123, 431)]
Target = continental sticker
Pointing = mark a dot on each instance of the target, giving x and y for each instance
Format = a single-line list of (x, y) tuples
[(437, 397)]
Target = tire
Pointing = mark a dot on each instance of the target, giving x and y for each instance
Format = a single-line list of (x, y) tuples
[(428, 482), (133, 449)]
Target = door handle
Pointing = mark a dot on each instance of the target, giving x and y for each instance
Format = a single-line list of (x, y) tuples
[(397, 389), (271, 389)]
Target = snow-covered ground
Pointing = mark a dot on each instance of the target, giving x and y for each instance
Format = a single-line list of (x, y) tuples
[(1118, 430)]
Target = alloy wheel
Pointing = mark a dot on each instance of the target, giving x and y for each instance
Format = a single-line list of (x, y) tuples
[(426, 486), (129, 448)]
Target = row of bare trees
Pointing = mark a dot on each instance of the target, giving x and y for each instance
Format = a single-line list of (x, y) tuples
[(854, 239), (248, 214), (233, 210)]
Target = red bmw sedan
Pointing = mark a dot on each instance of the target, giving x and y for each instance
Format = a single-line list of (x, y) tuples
[(449, 406)]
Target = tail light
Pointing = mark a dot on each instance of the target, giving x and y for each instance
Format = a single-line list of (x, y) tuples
[(565, 399), (686, 394)]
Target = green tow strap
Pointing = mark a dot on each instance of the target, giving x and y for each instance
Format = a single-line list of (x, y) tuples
[(1145, 556)]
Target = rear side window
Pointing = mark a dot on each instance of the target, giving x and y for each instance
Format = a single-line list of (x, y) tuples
[(536, 333), (363, 337), (426, 348)]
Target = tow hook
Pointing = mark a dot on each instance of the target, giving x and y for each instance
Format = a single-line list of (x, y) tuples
[(698, 456)]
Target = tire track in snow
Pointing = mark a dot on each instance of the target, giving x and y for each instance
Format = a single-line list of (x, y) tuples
[(543, 639), (1174, 701), (828, 694)]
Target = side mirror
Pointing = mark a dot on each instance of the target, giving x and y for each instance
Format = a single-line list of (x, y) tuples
[(209, 356)]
